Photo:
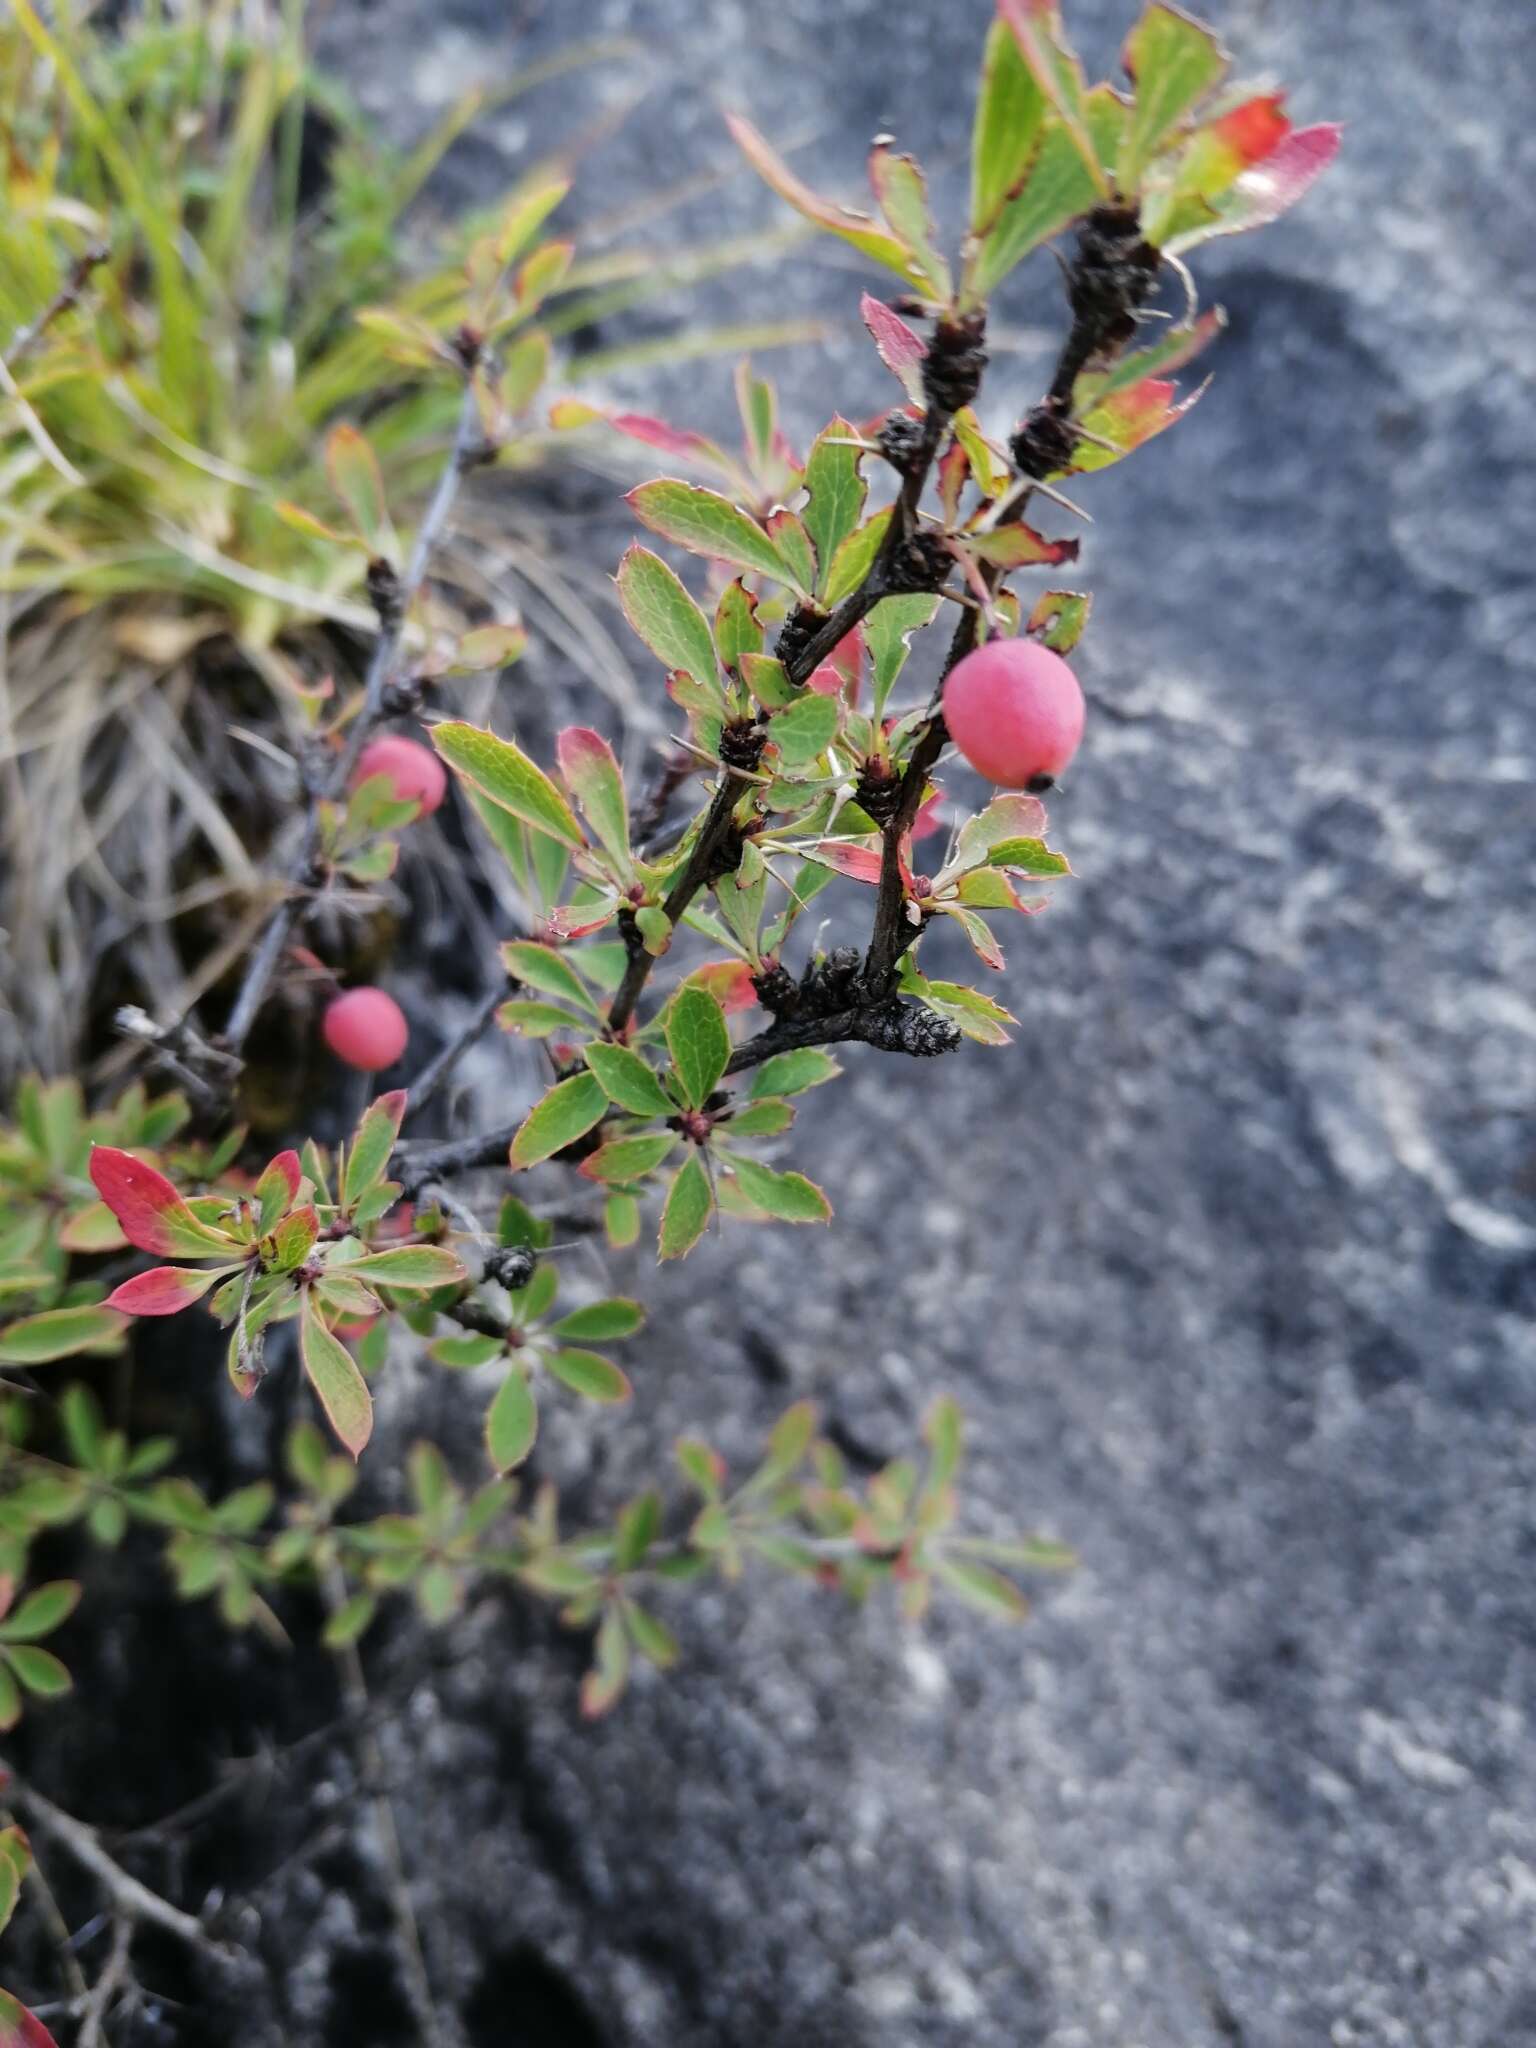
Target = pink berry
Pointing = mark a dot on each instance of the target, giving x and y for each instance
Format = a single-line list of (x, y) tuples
[(366, 1028), (1015, 711), (415, 772)]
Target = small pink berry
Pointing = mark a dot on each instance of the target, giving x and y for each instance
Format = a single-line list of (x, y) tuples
[(415, 772), (366, 1028), (1015, 711)]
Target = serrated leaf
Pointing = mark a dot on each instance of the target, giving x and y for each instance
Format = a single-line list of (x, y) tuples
[(888, 631), (414, 1267), (788, 1197), (503, 774), (591, 774), (765, 1119), (857, 228), (372, 1143), (689, 1206), (162, 1291), (666, 617), (487, 647), (1019, 546), (1029, 857), (1058, 619), (628, 1080), (601, 1322), (621, 1221), (543, 968), (903, 199), (1268, 189), (707, 524), (902, 351), (537, 1020), (1010, 112), (1174, 62), (804, 729), (152, 1214), (1057, 189), (737, 631), (570, 1109), (1036, 25), (837, 489), (333, 1373), (698, 1041), (57, 1333), (791, 1073), (628, 1159), (855, 558), (591, 1375), (511, 1422)]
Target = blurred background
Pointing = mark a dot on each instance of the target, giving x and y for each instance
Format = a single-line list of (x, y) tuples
[(1230, 1259)]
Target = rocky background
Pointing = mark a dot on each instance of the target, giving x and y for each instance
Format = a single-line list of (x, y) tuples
[(1231, 1259)]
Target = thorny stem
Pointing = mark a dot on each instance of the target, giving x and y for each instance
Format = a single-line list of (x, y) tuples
[(438, 1070), (268, 953), (716, 827), (130, 1898)]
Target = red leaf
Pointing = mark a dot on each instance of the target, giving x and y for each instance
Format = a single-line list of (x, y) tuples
[(1254, 130), (287, 1165), (859, 863), (841, 669), (165, 1290), (728, 981), (900, 350), (153, 1216)]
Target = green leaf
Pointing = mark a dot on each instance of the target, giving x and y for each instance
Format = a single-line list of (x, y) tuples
[(350, 1621), (888, 631), (903, 196), (604, 1683), (652, 1638), (666, 617), (504, 774), (789, 1197), (543, 968), (794, 545), (372, 1143), (1175, 62), (944, 1429), (621, 1220), (416, 1267), (737, 632), (855, 558), (591, 774), (1036, 25), (1058, 619), (40, 1671), (1029, 856), (43, 1610), (512, 1422), (335, 1378), (628, 1080), (10, 1714), (791, 1073), (638, 1527), (57, 1333), (707, 524), (690, 1204), (981, 1587), (570, 1109), (1010, 111), (629, 1159), (698, 1041), (15, 1861), (589, 1374), (1058, 189), (464, 1353), (536, 1020), (865, 235), (805, 728), (837, 493), (765, 1119), (601, 1322), (357, 480)]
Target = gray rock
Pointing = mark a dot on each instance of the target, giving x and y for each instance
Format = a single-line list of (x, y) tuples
[(1230, 1258)]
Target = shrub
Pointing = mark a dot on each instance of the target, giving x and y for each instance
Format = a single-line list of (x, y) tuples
[(662, 970)]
